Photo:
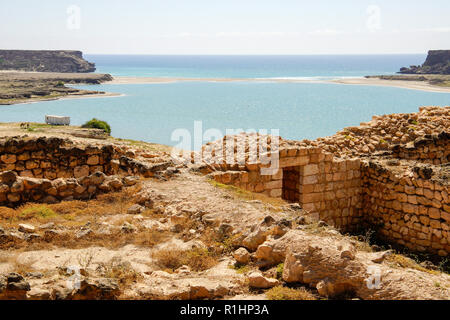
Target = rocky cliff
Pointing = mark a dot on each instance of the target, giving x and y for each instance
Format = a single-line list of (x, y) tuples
[(44, 61), (437, 62)]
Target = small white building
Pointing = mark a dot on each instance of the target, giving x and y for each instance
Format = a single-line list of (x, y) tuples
[(57, 120)]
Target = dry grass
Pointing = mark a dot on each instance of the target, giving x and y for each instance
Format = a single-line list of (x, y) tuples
[(285, 293), (224, 243), (317, 229), (241, 268), (106, 204), (198, 259), (401, 261), (120, 270), (73, 214), (273, 204), (16, 265), (150, 238), (85, 260), (147, 146), (364, 242), (115, 240)]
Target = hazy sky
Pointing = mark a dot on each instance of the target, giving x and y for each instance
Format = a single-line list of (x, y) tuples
[(226, 26)]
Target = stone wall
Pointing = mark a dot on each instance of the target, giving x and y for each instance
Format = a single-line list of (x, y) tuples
[(433, 149), (15, 190), (53, 169), (328, 188), (401, 192), (412, 210), (52, 158)]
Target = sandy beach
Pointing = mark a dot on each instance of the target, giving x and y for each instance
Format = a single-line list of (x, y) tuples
[(150, 80), (412, 85), (94, 95), (405, 84), (68, 97)]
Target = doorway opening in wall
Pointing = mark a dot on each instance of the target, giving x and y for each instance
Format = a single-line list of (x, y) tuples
[(291, 184)]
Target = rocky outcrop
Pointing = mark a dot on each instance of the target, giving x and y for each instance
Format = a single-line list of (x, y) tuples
[(258, 281), (13, 287), (44, 61), (437, 62), (336, 268), (215, 283)]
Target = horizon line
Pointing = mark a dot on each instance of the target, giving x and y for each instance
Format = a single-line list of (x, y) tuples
[(249, 54)]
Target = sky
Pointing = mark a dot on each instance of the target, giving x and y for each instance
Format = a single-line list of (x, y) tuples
[(226, 26)]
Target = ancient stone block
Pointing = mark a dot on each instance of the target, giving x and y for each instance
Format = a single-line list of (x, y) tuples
[(311, 169), (8, 158), (93, 160), (81, 171)]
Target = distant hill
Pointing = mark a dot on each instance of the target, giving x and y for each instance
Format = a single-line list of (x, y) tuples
[(438, 62), (45, 61)]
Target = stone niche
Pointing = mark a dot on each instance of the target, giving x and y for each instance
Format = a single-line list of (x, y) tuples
[(291, 184)]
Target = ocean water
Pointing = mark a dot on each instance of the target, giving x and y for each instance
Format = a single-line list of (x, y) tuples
[(305, 66), (151, 112)]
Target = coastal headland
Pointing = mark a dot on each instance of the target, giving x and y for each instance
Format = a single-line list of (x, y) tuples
[(65, 61), (25, 87), (433, 75)]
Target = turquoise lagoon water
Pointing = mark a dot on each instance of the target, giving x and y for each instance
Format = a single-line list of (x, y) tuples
[(306, 110), (151, 112)]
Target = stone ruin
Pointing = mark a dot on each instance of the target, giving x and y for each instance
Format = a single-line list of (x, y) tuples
[(390, 174), (49, 170)]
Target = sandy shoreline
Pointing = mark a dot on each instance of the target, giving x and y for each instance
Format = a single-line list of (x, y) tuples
[(151, 80), (68, 97), (405, 84), (95, 95), (412, 85)]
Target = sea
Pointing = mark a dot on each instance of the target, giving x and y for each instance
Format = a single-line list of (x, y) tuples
[(307, 109)]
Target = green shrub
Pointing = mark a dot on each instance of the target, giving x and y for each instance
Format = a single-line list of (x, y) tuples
[(39, 211), (280, 269), (98, 124), (284, 293)]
